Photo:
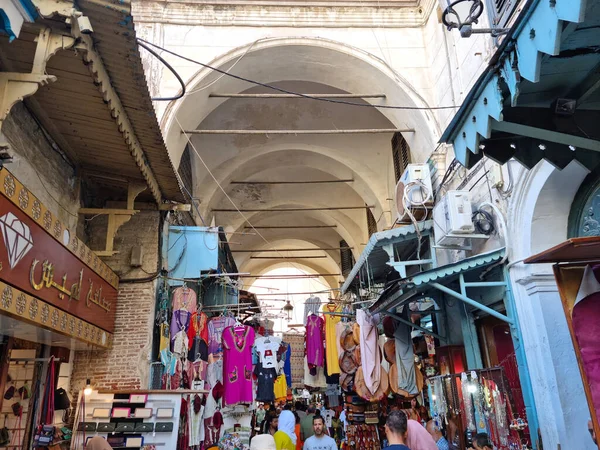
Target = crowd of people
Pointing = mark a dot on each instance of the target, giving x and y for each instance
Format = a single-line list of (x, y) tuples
[(305, 429)]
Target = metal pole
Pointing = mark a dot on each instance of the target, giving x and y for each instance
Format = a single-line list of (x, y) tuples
[(324, 208), (289, 257), (225, 95), (291, 227), (484, 284), (464, 298), (284, 277), (293, 182), (259, 250), (414, 325), (298, 132)]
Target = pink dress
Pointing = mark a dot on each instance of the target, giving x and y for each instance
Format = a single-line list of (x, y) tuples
[(314, 340), (237, 365)]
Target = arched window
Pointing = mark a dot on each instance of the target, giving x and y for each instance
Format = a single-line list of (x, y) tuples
[(584, 218)]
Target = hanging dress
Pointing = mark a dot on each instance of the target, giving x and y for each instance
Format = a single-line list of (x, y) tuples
[(237, 364), (331, 345), (216, 325), (314, 341), (370, 356), (184, 298)]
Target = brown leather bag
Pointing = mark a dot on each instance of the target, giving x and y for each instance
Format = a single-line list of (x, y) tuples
[(348, 363), (389, 351)]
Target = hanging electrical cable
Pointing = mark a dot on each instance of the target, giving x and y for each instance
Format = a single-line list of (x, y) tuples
[(173, 71), (286, 91)]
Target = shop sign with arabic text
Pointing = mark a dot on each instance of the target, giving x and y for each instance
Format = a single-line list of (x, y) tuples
[(33, 261)]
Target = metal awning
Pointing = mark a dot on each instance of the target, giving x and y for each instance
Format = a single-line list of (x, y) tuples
[(375, 257), (520, 106), (439, 278)]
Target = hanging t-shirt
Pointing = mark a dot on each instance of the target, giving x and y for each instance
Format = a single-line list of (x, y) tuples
[(184, 298), (314, 341), (280, 388), (331, 346), (328, 416), (216, 325), (237, 364), (267, 347), (265, 381)]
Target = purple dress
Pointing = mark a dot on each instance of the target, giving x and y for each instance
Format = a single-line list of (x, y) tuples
[(215, 331), (314, 340), (237, 365)]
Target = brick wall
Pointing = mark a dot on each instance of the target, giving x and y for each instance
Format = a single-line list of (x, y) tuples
[(126, 364)]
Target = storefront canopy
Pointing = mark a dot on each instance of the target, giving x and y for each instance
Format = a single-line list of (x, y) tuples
[(440, 279), (539, 97), (379, 254)]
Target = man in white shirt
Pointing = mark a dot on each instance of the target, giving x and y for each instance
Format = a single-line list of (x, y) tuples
[(319, 441)]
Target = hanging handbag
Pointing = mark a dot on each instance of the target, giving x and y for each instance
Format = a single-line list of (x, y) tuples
[(4, 437), (61, 400)]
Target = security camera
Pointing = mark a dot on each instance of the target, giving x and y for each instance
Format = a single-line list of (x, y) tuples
[(84, 24)]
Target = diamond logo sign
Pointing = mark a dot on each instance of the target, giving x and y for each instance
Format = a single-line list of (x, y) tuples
[(17, 238)]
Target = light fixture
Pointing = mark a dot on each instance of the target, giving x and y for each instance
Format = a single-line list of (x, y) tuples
[(462, 14), (572, 148), (288, 308), (88, 388)]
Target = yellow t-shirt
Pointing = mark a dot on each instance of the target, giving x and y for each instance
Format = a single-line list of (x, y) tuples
[(283, 441), (280, 388), (331, 348)]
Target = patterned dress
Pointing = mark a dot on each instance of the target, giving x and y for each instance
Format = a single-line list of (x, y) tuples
[(237, 365)]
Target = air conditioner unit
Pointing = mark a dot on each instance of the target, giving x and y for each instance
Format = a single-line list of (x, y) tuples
[(452, 219), (413, 189)]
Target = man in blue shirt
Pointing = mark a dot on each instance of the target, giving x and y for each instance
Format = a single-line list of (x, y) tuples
[(396, 431), (438, 437)]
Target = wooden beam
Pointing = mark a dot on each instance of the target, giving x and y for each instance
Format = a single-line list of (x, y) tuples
[(292, 250), (298, 132), (293, 182), (219, 95), (175, 207), (289, 227), (546, 135), (325, 208), (116, 211), (289, 257)]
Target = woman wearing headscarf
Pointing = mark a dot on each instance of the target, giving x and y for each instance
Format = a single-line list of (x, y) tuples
[(98, 443), (419, 438), (285, 438)]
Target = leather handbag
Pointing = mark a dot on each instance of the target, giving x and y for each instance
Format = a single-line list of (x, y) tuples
[(163, 427), (144, 427), (389, 351), (88, 427), (61, 400), (106, 427), (125, 427)]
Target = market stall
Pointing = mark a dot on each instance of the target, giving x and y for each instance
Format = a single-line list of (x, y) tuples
[(577, 273)]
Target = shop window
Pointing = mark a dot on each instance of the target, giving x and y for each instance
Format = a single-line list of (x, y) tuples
[(584, 218), (400, 154), (346, 258)]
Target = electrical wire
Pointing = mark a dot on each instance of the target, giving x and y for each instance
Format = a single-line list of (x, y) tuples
[(173, 71), (483, 222), (232, 202), (286, 91)]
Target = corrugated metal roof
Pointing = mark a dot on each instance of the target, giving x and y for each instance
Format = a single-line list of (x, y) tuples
[(441, 273), (74, 111), (373, 254), (410, 286)]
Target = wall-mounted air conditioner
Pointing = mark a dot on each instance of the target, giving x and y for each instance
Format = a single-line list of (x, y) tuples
[(414, 189), (452, 219)]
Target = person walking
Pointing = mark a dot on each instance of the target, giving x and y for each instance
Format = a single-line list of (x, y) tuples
[(418, 437), (319, 440), (285, 438), (438, 437), (396, 430), (306, 424), (270, 424)]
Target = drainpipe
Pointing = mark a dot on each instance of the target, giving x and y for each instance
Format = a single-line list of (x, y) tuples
[(452, 93), (526, 388)]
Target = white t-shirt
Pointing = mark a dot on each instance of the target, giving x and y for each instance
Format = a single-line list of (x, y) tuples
[(328, 415), (267, 352), (322, 443)]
